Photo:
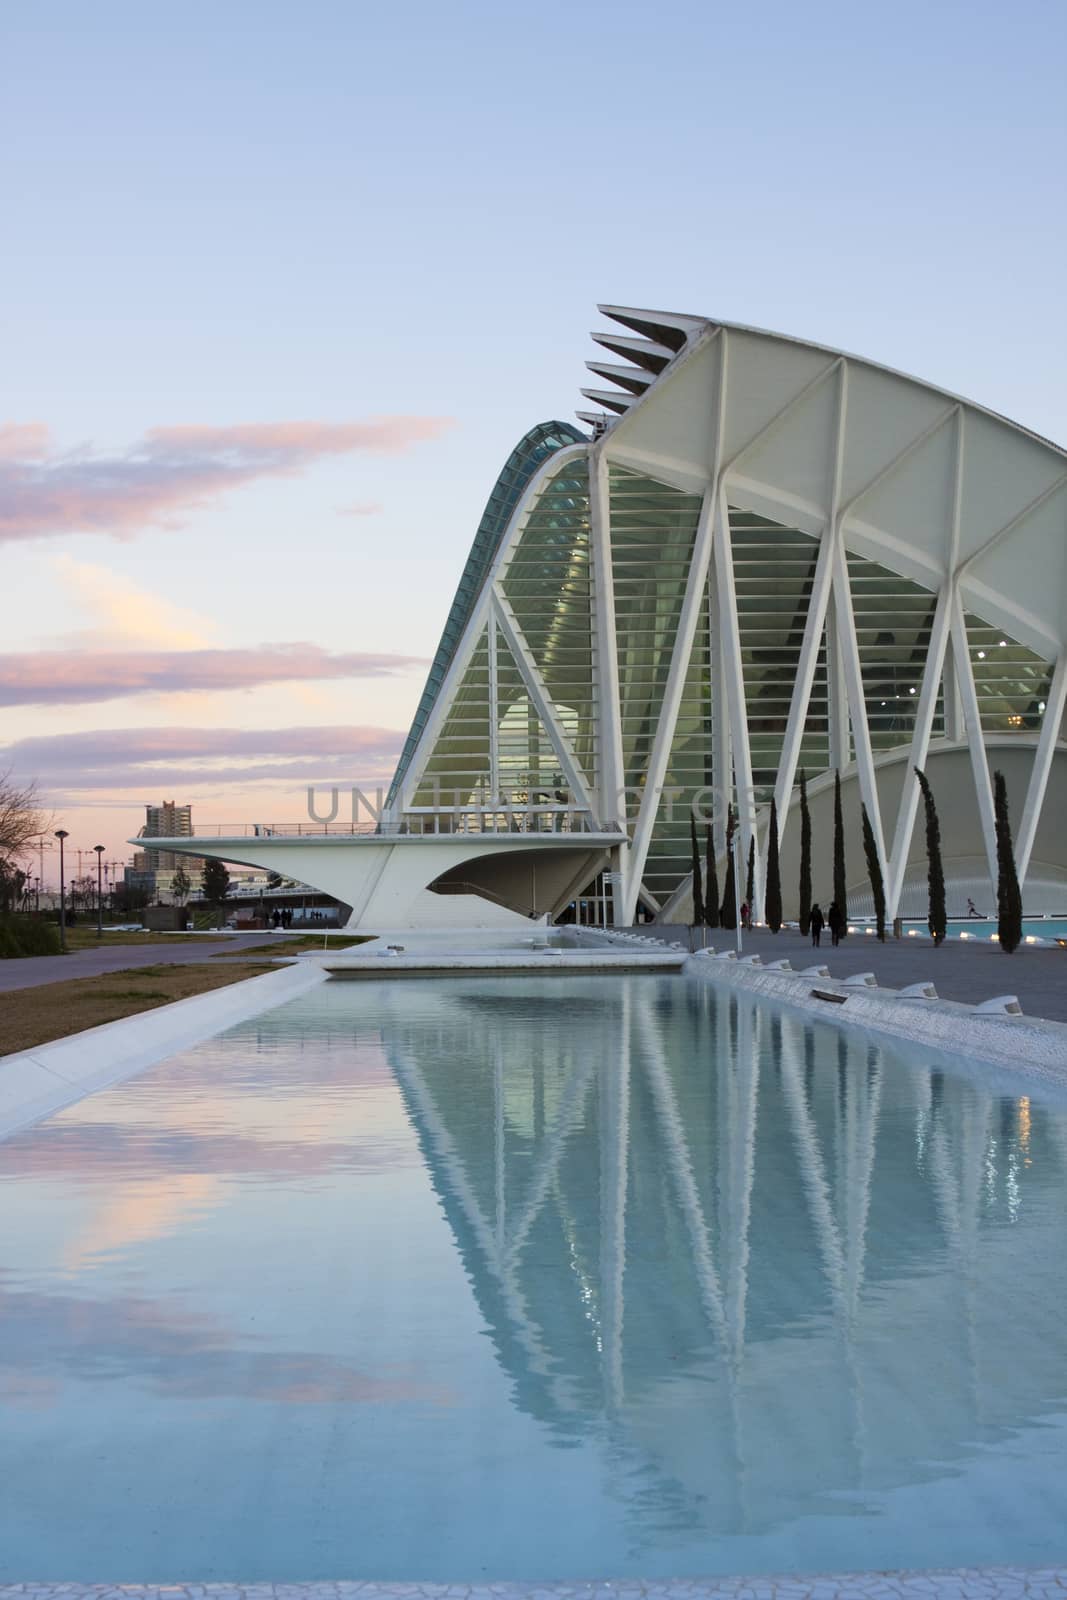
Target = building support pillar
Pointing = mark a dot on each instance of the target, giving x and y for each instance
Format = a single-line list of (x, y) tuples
[(972, 719), (611, 798), (1042, 768), (920, 746)]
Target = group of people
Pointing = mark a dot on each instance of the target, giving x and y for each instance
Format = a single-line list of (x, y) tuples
[(835, 919), (281, 918)]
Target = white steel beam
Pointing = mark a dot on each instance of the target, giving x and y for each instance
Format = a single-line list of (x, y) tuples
[(840, 735), (721, 755), (972, 720), (1039, 775), (695, 590), (494, 712), (1009, 527), (815, 620), (443, 704), (899, 459), (848, 645), (814, 623), (920, 745), (939, 666), (541, 700), (465, 649), (785, 411), (681, 653), (611, 799), (735, 683)]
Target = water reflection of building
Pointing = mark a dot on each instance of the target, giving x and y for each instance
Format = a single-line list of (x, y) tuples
[(738, 1244)]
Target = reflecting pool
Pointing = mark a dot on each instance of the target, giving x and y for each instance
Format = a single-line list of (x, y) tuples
[(535, 1278)]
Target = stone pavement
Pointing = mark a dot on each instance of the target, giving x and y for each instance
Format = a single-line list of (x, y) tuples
[(966, 970), (970, 1583)]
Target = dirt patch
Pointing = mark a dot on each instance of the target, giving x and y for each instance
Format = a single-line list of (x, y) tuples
[(29, 1017)]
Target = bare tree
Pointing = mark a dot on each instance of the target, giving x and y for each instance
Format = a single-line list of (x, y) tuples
[(21, 817)]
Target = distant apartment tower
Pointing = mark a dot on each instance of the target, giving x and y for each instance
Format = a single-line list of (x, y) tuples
[(166, 821)]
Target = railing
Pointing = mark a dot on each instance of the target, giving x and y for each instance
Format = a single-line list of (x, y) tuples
[(419, 821), (501, 819), (268, 830)]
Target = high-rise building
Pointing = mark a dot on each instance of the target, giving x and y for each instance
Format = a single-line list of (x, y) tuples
[(166, 821)]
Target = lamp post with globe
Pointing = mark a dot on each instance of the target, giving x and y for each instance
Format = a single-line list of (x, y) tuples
[(99, 890), (61, 834)]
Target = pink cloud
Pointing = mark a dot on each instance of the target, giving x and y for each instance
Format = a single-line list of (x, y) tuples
[(23, 441), (150, 759), (362, 508), (71, 677), (172, 471)]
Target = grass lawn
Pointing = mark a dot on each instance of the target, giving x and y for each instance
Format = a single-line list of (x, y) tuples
[(302, 943), (55, 1010), (83, 937)]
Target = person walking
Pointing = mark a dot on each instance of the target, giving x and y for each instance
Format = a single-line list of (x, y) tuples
[(816, 924), (835, 922)]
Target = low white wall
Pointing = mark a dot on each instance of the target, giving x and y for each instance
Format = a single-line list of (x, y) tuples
[(34, 1083), (1017, 1044)]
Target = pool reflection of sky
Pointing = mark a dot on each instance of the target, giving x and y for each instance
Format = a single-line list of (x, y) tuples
[(586, 1277)]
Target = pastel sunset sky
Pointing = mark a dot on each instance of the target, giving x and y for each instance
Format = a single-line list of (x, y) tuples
[(283, 285)]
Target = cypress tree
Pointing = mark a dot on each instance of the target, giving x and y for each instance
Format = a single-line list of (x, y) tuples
[(874, 872), (805, 857), (935, 871), (728, 910), (698, 889), (711, 881), (773, 898), (840, 887), (1009, 895), (750, 878)]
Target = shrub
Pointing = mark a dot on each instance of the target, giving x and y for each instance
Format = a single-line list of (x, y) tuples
[(711, 881), (698, 890), (1009, 897), (28, 936), (728, 909), (773, 897), (937, 917), (840, 881), (805, 857), (874, 872)]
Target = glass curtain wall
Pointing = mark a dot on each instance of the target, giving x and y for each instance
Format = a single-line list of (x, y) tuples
[(653, 528), (1012, 682), (547, 584), (894, 619)]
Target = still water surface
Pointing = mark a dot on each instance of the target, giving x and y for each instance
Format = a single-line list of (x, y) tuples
[(533, 1278)]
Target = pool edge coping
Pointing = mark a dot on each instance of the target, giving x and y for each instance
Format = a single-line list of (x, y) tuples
[(933, 1583), (49, 1077)]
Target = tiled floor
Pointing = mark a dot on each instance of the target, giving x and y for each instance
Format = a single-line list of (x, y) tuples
[(991, 1583)]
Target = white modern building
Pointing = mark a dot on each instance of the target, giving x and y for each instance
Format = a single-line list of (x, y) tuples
[(769, 557)]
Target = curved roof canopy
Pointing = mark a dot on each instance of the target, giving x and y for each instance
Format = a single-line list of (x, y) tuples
[(929, 485)]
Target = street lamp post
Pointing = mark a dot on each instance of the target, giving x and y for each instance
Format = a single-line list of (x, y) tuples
[(61, 834), (99, 890)]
